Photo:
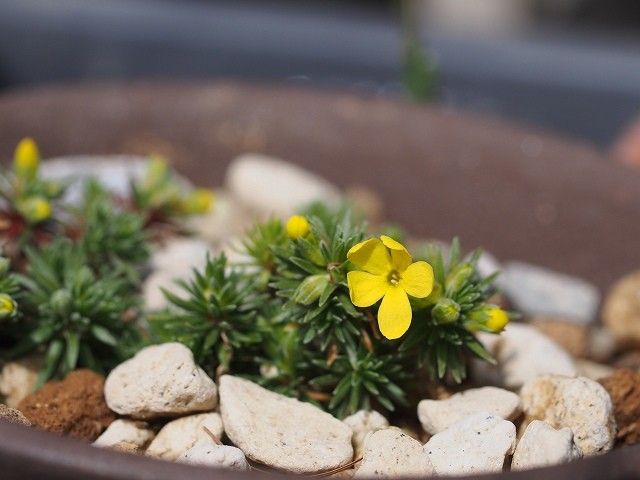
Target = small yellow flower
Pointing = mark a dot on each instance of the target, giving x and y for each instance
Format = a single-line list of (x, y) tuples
[(26, 158), (385, 270), (7, 306), (297, 226), (35, 209), (199, 201)]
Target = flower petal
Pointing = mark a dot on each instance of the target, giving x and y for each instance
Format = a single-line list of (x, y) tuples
[(400, 257), (394, 315), (371, 256), (365, 289), (417, 279)]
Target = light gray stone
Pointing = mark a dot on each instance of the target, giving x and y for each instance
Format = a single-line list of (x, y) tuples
[(362, 423), (180, 255), (476, 444), (602, 344), (282, 432), (542, 445), (125, 431), (173, 261), (578, 403), (160, 381), (523, 353), (538, 291), (226, 220), (270, 186), (218, 456), (593, 370), (390, 453), (115, 172), (178, 436), (438, 415)]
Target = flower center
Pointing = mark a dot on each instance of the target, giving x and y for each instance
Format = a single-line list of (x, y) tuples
[(393, 278)]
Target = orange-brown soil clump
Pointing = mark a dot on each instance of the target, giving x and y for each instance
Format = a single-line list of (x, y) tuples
[(74, 406)]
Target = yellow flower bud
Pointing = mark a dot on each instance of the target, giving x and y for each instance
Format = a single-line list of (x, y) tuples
[(297, 226), (35, 209), (498, 319), (489, 318), (8, 306), (26, 159), (199, 201)]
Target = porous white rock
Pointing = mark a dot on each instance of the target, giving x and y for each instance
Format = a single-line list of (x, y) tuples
[(621, 310), (476, 444), (361, 424), (391, 453), (578, 403), (18, 379), (536, 290), (542, 445), (160, 381), (523, 353), (438, 415), (271, 186), (125, 431), (282, 432), (179, 435), (218, 456)]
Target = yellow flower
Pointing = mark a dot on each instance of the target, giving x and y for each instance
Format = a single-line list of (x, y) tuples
[(35, 209), (297, 226), (26, 158), (385, 270), (199, 201), (7, 306)]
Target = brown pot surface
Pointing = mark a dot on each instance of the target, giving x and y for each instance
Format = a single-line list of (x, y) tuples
[(520, 193)]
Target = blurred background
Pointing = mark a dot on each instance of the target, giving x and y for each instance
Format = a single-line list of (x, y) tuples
[(571, 66)]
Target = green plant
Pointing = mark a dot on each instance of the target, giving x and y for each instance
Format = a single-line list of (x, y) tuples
[(449, 316), (75, 316), (162, 199), (419, 71), (9, 311), (216, 318), (289, 322), (28, 201), (310, 277), (111, 238)]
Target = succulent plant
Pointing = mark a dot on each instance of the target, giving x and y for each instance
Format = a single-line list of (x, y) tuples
[(216, 317), (75, 316), (110, 237)]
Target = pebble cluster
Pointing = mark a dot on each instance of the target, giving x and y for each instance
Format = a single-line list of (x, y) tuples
[(556, 394)]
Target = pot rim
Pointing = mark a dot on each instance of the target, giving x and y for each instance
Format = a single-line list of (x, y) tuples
[(32, 453)]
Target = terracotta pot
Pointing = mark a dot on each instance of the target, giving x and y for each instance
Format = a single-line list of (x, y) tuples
[(519, 192)]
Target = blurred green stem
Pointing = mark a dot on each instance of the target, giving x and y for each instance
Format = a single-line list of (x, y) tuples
[(419, 72)]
